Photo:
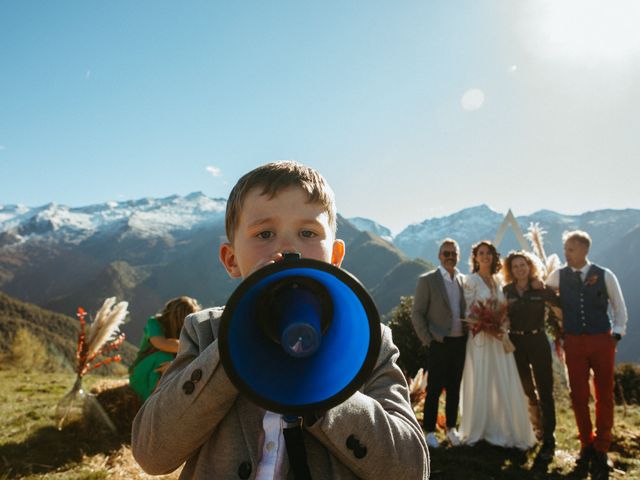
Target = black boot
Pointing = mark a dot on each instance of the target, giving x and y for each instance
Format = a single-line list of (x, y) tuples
[(600, 466), (548, 449), (583, 461)]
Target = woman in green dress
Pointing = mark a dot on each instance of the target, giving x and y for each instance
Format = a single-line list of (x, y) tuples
[(159, 345)]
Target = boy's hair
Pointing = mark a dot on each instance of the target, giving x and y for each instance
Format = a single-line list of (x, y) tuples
[(578, 236), (274, 177)]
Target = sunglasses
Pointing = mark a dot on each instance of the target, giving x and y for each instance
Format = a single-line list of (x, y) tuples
[(449, 253)]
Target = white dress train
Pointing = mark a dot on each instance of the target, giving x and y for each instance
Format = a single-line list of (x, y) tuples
[(493, 404)]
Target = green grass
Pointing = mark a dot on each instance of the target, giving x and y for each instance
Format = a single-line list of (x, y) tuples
[(32, 448)]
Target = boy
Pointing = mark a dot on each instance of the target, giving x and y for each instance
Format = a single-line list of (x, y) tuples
[(197, 416)]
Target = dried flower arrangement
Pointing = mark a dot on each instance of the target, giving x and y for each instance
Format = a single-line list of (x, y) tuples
[(100, 340), (553, 323), (102, 337)]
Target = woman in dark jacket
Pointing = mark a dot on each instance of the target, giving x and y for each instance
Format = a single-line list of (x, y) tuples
[(533, 353)]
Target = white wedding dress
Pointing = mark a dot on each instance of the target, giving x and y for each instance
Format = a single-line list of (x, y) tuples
[(493, 404)]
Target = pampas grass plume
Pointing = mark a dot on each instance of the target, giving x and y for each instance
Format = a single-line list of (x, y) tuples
[(106, 325), (535, 235)]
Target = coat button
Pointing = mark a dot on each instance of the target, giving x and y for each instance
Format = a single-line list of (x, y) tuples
[(196, 375), (352, 442), (360, 451), (244, 470), (188, 387)]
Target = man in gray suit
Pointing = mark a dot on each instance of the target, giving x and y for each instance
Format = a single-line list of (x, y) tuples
[(438, 310)]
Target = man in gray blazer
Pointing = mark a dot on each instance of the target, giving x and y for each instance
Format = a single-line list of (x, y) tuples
[(438, 310)]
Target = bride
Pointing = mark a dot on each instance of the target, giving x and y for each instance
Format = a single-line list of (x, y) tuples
[(493, 403)]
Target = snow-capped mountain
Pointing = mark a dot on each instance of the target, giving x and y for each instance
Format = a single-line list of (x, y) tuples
[(149, 250), (367, 225), (143, 218), (466, 226), (473, 224)]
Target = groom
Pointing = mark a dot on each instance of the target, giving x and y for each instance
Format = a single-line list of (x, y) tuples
[(586, 292), (438, 310)]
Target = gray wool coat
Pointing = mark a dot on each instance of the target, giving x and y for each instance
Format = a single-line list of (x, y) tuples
[(197, 416), (431, 315)]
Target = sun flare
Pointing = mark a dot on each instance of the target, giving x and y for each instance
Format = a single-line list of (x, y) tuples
[(589, 32)]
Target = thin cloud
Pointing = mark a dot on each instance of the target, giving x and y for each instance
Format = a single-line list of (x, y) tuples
[(214, 171), (87, 75), (2, 147)]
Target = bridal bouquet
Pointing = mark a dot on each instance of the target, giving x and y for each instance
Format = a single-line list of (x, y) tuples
[(490, 317)]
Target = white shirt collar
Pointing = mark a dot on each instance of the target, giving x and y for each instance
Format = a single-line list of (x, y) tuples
[(584, 269), (445, 273)]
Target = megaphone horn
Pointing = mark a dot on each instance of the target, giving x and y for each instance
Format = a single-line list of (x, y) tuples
[(299, 336)]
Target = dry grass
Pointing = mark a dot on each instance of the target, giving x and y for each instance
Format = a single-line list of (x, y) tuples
[(484, 461), (32, 448)]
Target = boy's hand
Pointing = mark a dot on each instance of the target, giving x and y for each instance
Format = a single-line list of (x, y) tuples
[(276, 258)]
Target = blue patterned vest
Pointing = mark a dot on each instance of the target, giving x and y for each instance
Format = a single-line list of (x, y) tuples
[(584, 303)]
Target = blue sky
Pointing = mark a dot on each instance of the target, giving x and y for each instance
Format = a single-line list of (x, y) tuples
[(410, 109)]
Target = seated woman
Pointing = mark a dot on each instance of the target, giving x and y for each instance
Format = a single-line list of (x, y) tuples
[(527, 307), (159, 345)]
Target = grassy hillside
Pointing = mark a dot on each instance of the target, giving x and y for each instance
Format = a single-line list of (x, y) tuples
[(57, 332), (369, 258), (399, 281)]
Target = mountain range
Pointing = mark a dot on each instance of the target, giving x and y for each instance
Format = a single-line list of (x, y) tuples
[(149, 250)]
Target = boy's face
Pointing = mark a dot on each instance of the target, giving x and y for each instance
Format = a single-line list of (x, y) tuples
[(286, 223)]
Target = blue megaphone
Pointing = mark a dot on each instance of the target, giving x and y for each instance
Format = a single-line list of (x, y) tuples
[(299, 336)]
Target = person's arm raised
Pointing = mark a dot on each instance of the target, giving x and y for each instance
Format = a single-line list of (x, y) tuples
[(171, 345)]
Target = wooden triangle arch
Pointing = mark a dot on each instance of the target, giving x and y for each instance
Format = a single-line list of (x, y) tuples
[(510, 220)]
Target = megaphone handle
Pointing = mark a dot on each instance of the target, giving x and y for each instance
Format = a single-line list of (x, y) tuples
[(296, 451)]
